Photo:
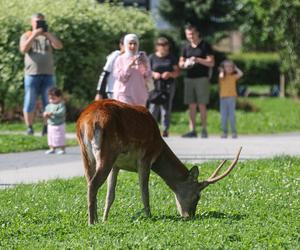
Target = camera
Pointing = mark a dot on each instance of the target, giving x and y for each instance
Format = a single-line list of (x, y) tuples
[(42, 24)]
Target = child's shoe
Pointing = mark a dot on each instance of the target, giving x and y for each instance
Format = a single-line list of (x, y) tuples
[(61, 152), (234, 136), (224, 136), (50, 151)]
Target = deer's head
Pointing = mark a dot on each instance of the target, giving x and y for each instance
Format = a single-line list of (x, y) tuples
[(189, 192)]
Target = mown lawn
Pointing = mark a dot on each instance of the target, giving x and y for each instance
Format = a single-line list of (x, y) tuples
[(21, 143), (256, 207), (270, 115)]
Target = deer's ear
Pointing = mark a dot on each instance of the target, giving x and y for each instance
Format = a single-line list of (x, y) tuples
[(194, 173)]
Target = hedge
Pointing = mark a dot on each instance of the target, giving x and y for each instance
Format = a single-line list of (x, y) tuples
[(89, 31), (258, 68)]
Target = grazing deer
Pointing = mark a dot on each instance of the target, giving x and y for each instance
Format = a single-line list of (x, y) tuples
[(113, 136)]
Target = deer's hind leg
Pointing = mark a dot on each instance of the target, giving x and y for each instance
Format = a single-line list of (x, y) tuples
[(111, 188), (105, 158)]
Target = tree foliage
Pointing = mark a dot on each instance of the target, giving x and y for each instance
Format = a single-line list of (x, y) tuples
[(210, 16), (275, 24), (89, 31)]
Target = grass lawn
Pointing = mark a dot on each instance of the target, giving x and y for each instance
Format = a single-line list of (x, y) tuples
[(18, 126), (256, 207), (273, 115), (21, 143)]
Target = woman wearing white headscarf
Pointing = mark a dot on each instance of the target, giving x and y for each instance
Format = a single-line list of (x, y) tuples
[(132, 70)]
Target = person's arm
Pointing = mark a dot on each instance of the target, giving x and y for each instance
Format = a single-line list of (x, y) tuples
[(60, 111), (239, 73), (221, 73), (27, 40), (209, 61), (173, 74), (123, 72), (55, 42), (101, 87)]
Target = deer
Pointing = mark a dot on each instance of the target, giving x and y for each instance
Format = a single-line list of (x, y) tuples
[(113, 135)]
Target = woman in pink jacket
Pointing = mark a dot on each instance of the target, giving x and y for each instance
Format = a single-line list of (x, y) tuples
[(132, 70)]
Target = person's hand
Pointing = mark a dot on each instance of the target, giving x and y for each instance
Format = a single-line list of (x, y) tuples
[(133, 61), (37, 32), (193, 59), (98, 97), (166, 75), (156, 75), (47, 114)]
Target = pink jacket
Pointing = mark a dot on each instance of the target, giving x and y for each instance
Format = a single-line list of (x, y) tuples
[(130, 84)]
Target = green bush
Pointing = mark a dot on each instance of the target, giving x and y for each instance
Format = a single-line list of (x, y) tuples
[(258, 68), (89, 32)]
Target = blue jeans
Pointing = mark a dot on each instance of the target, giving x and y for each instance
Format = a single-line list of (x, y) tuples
[(227, 109), (36, 85)]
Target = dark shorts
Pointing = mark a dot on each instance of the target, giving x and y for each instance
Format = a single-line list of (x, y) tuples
[(196, 90)]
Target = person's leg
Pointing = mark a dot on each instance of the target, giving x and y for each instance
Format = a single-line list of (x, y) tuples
[(165, 116), (46, 83), (192, 116), (166, 110), (154, 110), (189, 99), (30, 83), (202, 89), (203, 115), (231, 114), (50, 139), (223, 117)]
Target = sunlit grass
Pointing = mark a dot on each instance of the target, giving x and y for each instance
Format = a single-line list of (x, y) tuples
[(255, 207)]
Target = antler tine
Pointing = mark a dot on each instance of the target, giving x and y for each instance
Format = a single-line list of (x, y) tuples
[(217, 169), (215, 179)]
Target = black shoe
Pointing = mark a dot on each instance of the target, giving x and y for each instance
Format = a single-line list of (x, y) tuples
[(44, 130), (204, 133), (30, 130), (191, 134), (165, 134)]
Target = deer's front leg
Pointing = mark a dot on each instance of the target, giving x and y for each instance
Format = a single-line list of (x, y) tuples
[(111, 188), (144, 172)]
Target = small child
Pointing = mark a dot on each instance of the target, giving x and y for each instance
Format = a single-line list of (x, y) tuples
[(55, 113), (228, 76)]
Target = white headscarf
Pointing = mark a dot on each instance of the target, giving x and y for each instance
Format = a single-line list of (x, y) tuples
[(128, 38)]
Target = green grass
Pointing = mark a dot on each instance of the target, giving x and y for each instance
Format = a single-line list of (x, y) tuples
[(274, 115), (19, 126), (256, 207), (21, 143)]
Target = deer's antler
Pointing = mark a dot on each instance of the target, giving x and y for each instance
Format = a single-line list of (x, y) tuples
[(214, 178)]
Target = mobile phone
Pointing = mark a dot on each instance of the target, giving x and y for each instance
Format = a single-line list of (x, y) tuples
[(42, 24)]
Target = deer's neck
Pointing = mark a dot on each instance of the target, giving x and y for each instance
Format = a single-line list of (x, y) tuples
[(170, 168)]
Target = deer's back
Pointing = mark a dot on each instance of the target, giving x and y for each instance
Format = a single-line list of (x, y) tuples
[(127, 128)]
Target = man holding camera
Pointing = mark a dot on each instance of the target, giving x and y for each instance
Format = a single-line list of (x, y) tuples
[(197, 58), (37, 45)]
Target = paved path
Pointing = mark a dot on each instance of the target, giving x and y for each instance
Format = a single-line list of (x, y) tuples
[(35, 166)]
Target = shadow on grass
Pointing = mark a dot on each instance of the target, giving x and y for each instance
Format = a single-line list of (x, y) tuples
[(203, 216)]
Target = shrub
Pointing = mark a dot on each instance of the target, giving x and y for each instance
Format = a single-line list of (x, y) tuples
[(89, 32), (258, 68)]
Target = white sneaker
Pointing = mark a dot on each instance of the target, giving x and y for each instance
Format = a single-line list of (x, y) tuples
[(60, 152), (50, 151)]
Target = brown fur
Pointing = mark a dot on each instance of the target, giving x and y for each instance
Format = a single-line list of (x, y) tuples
[(108, 131)]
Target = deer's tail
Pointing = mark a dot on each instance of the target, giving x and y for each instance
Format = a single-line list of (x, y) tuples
[(88, 136)]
